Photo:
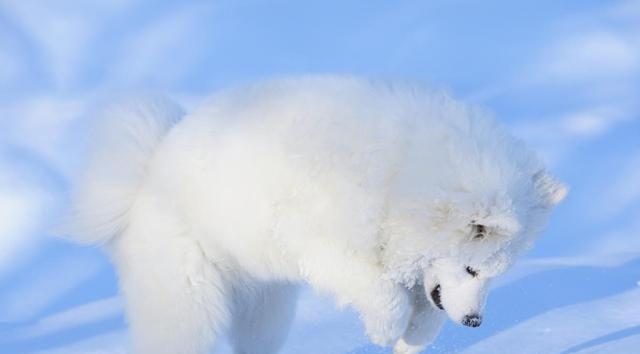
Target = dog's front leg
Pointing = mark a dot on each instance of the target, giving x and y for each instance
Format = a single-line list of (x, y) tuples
[(384, 306), (424, 325), (385, 313)]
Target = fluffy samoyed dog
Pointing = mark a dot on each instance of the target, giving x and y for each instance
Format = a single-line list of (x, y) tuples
[(400, 202)]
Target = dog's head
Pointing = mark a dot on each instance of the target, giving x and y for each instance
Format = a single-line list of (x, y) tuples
[(466, 202), (465, 237), (496, 233)]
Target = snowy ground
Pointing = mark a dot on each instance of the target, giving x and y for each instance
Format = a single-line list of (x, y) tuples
[(564, 75)]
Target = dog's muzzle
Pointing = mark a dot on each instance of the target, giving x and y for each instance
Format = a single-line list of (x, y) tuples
[(435, 297)]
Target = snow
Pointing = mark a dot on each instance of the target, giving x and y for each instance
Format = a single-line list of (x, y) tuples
[(593, 323), (563, 75), (77, 316)]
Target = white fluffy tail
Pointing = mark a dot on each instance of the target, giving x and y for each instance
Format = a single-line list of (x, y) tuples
[(123, 143)]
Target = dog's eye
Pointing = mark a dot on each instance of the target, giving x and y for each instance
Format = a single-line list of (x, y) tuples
[(472, 272), (479, 231)]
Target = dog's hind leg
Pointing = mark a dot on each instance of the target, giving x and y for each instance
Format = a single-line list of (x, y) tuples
[(176, 299), (262, 316)]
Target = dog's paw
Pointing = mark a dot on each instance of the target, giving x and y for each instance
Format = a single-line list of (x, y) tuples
[(385, 326), (381, 335), (403, 347)]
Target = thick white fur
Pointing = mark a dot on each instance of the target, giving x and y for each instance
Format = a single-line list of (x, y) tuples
[(365, 190), (124, 140)]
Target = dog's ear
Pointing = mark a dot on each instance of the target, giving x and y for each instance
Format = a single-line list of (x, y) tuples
[(550, 191)]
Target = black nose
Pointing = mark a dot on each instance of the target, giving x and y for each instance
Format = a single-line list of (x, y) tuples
[(473, 320)]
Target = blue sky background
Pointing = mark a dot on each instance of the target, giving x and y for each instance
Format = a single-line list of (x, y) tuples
[(565, 76)]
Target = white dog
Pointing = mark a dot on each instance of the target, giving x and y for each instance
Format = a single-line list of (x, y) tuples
[(398, 201)]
